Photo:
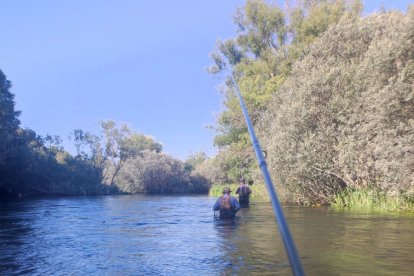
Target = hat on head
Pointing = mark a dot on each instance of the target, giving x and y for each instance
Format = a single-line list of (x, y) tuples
[(242, 180), (226, 190)]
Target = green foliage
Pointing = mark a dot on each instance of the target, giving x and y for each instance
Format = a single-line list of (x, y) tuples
[(349, 120), (199, 183), (195, 160), (368, 198), (36, 169), (158, 173), (40, 166), (113, 148), (261, 27), (261, 57), (118, 160), (330, 93), (312, 19), (137, 144), (9, 119), (259, 191), (211, 169), (8, 115)]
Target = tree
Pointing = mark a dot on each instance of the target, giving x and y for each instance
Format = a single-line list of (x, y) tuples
[(345, 116), (268, 42), (261, 26), (35, 165), (313, 18), (195, 160), (136, 144), (113, 148), (122, 143), (154, 173), (9, 119)]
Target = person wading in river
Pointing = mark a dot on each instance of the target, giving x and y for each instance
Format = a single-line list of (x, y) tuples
[(244, 193), (227, 204)]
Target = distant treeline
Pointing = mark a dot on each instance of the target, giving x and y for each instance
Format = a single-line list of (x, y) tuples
[(119, 160), (330, 93)]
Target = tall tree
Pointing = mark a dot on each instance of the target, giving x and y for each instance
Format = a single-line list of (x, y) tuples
[(9, 118), (268, 42), (113, 148)]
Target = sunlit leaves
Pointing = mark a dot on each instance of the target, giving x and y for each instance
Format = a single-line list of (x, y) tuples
[(261, 27)]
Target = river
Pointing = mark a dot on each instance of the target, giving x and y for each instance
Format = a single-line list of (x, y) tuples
[(178, 235)]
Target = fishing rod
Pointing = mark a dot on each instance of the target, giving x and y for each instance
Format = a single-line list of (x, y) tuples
[(290, 248)]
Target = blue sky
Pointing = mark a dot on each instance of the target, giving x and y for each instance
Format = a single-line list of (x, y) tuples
[(76, 62)]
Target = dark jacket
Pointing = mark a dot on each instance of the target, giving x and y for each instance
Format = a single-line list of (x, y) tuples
[(244, 193)]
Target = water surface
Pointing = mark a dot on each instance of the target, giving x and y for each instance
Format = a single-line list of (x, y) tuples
[(178, 235)]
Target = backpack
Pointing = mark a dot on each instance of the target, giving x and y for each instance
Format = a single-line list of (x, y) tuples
[(225, 203), (243, 191)]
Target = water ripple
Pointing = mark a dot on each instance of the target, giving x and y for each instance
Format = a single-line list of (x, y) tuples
[(154, 235)]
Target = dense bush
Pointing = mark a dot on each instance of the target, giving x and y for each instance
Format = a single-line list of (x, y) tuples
[(345, 116), (36, 169), (158, 173), (212, 169)]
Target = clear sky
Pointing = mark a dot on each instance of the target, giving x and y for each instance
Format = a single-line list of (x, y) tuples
[(76, 62)]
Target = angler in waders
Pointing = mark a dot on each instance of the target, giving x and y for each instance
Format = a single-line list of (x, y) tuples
[(244, 193), (227, 204)]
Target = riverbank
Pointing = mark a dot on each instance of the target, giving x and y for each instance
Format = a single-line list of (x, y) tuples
[(259, 191), (372, 199), (362, 199)]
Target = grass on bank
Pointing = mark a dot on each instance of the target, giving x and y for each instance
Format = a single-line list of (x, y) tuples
[(259, 191), (361, 199), (372, 199)]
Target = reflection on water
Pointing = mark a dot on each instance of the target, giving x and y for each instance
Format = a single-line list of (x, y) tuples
[(154, 235)]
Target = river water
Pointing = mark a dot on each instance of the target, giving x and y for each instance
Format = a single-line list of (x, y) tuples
[(178, 235)]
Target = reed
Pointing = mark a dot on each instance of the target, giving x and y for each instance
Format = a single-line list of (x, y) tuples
[(369, 198), (259, 192)]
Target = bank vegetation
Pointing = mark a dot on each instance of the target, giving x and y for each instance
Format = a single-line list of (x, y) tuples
[(331, 95), (117, 160), (330, 92)]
